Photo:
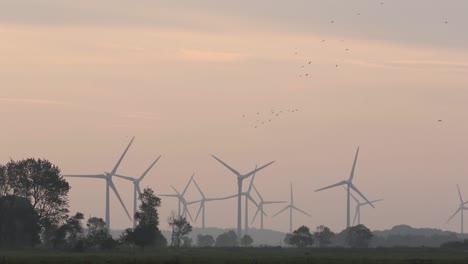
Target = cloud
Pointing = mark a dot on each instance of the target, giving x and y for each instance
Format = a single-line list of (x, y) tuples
[(31, 101), (209, 56), (431, 64), (412, 64), (142, 115)]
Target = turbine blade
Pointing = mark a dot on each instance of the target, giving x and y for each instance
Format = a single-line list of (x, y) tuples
[(294, 207), (125, 177), (187, 210), (148, 170), (256, 170), (98, 176), (373, 202), (120, 198), (227, 166), (221, 198), (199, 210), (256, 213), (459, 194), (292, 196), (175, 190), (362, 195), (258, 193), (198, 188), (352, 196), (274, 202), (188, 184), (351, 176), (251, 182), (114, 170), (169, 195), (332, 186), (251, 199), (456, 212), (284, 209), (356, 214)]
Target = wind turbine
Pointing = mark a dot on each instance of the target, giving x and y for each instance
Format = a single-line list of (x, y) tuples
[(350, 185), (291, 206), (109, 185), (240, 179), (136, 187), (359, 204), (182, 200), (460, 209), (248, 198), (203, 201), (261, 205)]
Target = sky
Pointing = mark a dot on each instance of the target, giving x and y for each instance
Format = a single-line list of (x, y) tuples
[(78, 79)]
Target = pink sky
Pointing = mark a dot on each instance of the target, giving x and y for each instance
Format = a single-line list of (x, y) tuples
[(77, 85)]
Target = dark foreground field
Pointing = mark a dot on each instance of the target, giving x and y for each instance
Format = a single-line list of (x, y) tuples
[(241, 255)]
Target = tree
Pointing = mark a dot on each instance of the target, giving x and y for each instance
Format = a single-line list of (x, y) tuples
[(39, 181), (323, 235), (98, 234), (147, 232), (70, 234), (301, 237), (205, 240), (180, 228), (358, 236), (227, 239), (187, 241), (19, 226), (287, 239), (246, 241)]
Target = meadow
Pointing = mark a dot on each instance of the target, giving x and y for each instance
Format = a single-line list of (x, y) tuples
[(240, 255)]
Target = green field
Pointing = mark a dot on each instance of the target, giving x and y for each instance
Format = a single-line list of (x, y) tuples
[(240, 255)]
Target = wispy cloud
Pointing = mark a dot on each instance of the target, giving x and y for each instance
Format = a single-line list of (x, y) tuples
[(209, 56), (412, 64), (142, 115), (31, 101)]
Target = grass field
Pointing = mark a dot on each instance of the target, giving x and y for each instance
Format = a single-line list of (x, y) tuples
[(240, 255)]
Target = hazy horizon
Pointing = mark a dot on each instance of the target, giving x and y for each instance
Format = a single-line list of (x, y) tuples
[(80, 78)]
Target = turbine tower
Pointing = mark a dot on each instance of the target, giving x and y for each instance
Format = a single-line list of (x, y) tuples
[(460, 210), (291, 207), (359, 204), (182, 200), (203, 202), (136, 187), (240, 179), (109, 185), (350, 185), (261, 205)]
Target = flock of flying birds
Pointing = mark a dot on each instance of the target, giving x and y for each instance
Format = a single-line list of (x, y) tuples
[(306, 74), (263, 119)]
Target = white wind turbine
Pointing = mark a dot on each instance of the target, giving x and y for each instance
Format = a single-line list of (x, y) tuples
[(136, 187), (181, 199), (248, 198), (291, 207), (109, 185), (350, 185), (359, 204), (203, 202), (261, 205), (240, 179), (460, 210)]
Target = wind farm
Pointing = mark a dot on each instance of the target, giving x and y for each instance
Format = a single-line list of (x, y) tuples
[(233, 131)]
